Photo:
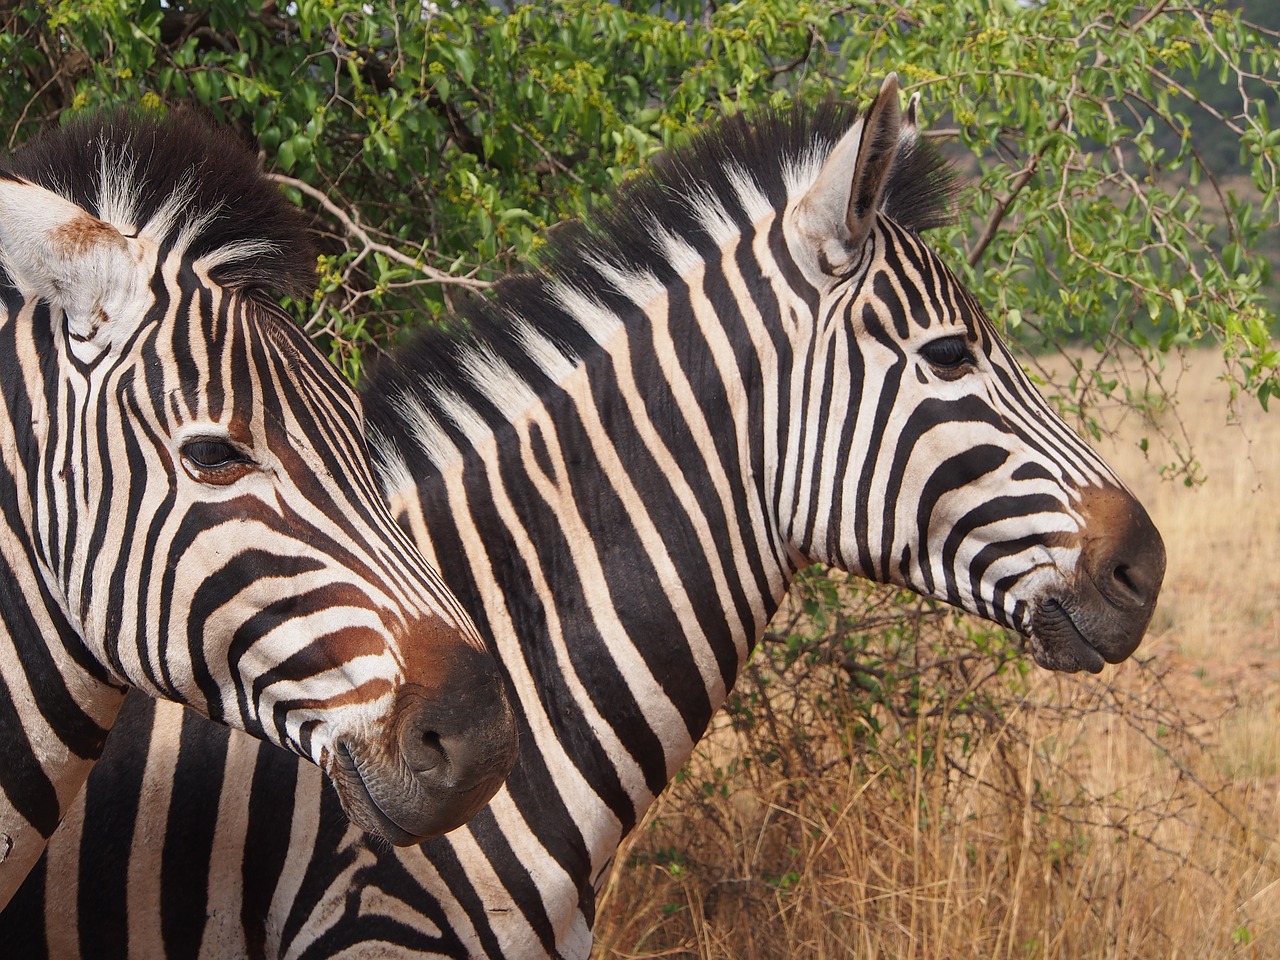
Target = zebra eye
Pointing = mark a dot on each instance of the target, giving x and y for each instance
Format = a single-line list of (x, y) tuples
[(215, 461), (948, 355)]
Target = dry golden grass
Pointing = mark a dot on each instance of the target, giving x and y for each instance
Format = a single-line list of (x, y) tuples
[(1134, 815)]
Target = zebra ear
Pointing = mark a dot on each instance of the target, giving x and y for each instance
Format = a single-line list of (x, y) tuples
[(54, 250), (911, 120), (838, 211)]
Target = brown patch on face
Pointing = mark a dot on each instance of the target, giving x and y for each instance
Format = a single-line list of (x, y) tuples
[(79, 235), (1122, 550), (432, 650), (368, 692)]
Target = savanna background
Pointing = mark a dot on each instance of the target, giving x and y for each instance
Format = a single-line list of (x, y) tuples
[(908, 787), (890, 779)]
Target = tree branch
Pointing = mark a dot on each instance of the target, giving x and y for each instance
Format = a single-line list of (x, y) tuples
[(1033, 162), (358, 233), (1024, 177)]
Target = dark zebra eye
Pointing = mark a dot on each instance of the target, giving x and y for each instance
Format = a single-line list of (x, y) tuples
[(215, 461), (948, 354)]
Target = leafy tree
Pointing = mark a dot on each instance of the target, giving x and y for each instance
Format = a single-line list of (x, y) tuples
[(435, 142)]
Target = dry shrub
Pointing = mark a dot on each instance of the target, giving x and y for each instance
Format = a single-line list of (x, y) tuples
[(903, 785)]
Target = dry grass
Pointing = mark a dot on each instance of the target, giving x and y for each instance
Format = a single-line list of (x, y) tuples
[(1031, 815)]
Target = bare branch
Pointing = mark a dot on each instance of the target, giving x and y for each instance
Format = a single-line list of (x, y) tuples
[(358, 233), (1033, 162)]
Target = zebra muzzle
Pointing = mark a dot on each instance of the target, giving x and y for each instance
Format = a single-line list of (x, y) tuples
[(441, 760), (1104, 611)]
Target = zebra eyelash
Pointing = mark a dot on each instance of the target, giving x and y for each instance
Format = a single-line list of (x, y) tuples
[(949, 356), (215, 460)]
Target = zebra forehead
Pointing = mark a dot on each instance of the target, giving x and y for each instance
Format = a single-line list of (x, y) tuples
[(182, 182)]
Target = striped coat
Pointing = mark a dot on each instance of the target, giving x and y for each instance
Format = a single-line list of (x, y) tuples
[(750, 362)]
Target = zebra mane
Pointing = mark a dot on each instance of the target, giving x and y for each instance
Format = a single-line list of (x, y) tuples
[(463, 379), (185, 182)]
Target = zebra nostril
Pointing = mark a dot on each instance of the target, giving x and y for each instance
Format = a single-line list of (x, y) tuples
[(422, 748), (1123, 553), (1129, 582), (1122, 576)]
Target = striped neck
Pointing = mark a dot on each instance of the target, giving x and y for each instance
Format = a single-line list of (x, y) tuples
[(626, 499), (592, 459)]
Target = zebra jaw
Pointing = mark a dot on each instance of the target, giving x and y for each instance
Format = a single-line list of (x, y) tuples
[(360, 804), (1056, 642)]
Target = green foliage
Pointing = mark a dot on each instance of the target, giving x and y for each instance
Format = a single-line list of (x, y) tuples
[(439, 141)]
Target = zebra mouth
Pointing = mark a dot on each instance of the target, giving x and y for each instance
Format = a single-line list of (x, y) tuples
[(1057, 643), (359, 802)]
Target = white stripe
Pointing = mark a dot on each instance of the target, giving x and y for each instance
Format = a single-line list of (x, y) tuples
[(425, 430), (556, 363), (599, 322)]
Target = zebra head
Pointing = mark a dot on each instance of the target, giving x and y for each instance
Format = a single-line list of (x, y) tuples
[(202, 516), (917, 452)]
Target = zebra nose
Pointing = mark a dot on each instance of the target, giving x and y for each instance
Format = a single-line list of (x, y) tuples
[(1123, 552), (458, 743), (446, 753), (457, 746)]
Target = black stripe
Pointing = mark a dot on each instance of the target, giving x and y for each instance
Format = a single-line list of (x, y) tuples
[(880, 411), (952, 474), (845, 468), (996, 508), (329, 857), (112, 805), (266, 842), (22, 780), (23, 921), (189, 833), (757, 488)]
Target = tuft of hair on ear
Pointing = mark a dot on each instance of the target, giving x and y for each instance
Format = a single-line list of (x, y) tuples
[(150, 160), (923, 191)]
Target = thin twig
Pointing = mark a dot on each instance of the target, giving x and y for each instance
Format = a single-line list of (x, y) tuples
[(358, 232), (1033, 162)]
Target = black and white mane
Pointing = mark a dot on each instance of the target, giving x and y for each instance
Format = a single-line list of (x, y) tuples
[(183, 181), (525, 336)]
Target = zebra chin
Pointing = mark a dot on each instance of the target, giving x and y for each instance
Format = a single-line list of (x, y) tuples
[(1058, 644), (388, 814), (406, 806)]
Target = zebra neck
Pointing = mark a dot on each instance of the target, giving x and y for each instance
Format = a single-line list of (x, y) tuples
[(56, 700), (612, 542)]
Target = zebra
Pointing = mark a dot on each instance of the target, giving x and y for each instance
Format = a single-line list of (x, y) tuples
[(188, 505), (748, 362)]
